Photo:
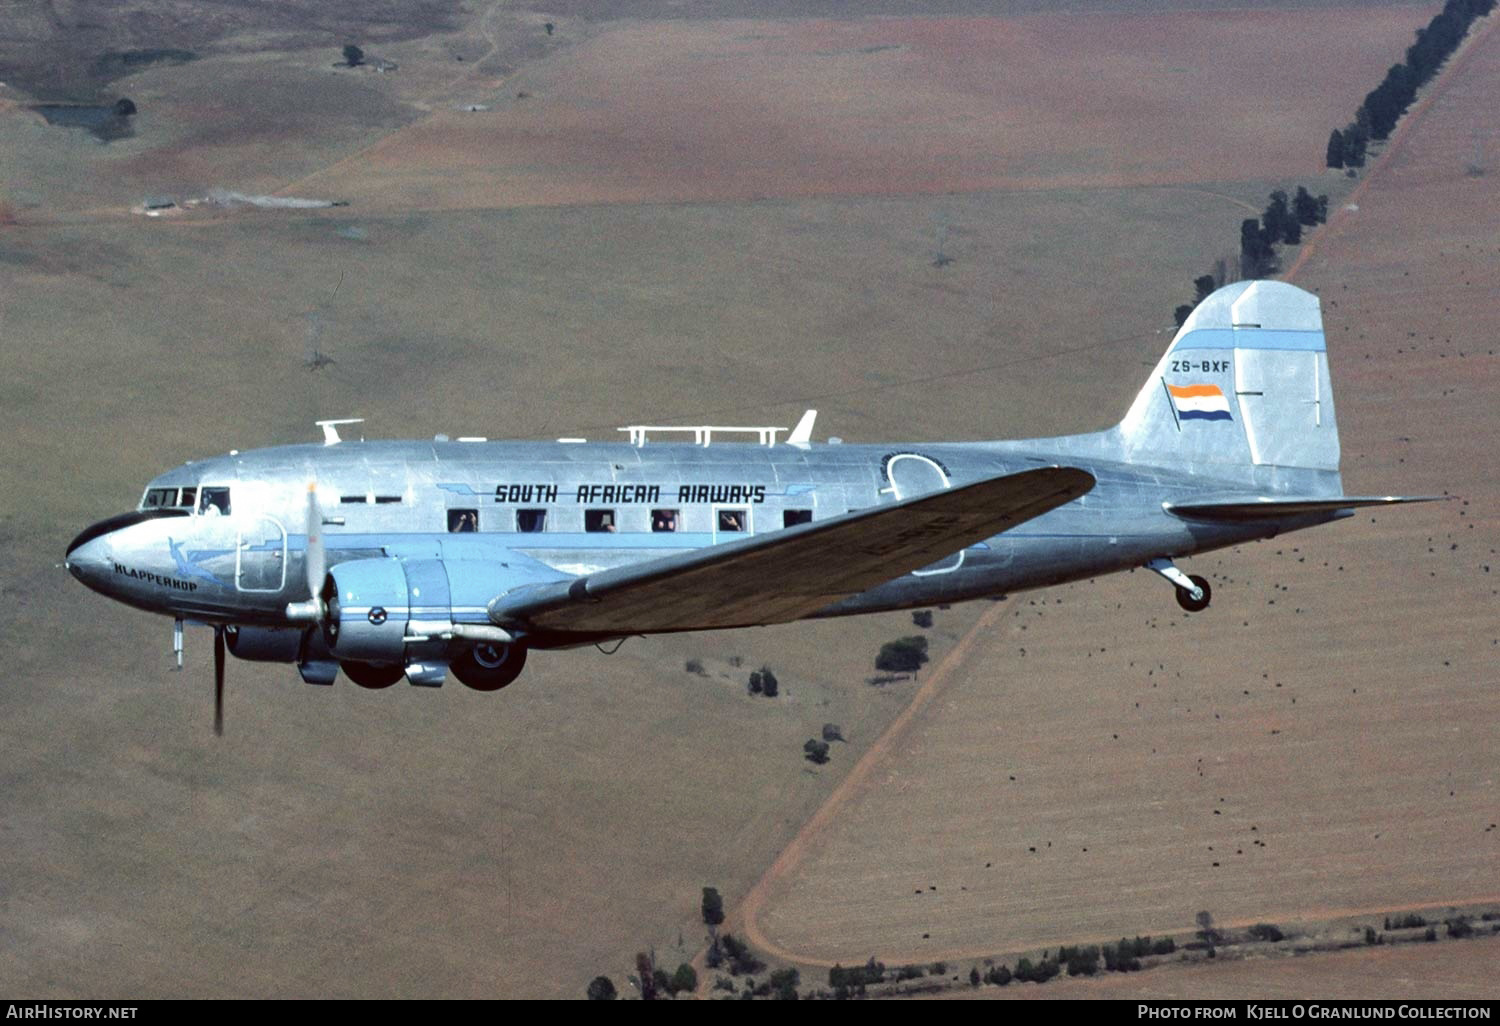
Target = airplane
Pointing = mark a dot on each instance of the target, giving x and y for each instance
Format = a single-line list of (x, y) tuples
[(386, 559)]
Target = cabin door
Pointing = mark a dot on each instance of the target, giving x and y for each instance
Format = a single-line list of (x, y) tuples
[(911, 475), (260, 562)]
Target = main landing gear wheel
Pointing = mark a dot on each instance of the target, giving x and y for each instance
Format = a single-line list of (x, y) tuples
[(488, 666), (1185, 597), (373, 675)]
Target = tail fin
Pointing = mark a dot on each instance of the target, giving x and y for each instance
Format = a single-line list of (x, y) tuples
[(1245, 382)]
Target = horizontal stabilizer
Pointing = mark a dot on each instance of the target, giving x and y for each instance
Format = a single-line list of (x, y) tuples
[(788, 574), (1261, 507)]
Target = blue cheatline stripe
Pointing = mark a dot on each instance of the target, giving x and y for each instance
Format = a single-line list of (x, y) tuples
[(1252, 338), (1204, 415)]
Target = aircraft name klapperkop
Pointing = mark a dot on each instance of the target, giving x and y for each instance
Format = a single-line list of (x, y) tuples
[(145, 575)]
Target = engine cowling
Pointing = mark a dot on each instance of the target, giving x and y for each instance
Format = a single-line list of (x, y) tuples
[(368, 608), (377, 607)]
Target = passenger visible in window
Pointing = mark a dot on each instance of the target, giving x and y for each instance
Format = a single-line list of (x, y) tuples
[(793, 517), (599, 520), (463, 521), (214, 501), (731, 520), (531, 521), (663, 520)]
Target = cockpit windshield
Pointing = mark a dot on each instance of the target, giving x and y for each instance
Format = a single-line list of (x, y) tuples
[(169, 498)]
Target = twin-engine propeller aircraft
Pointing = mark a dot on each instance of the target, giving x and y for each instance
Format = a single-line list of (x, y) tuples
[(396, 558)]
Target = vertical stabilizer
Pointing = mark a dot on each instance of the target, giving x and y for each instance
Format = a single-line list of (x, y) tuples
[(1245, 382)]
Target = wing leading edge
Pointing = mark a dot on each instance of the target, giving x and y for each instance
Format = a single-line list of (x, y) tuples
[(789, 574)]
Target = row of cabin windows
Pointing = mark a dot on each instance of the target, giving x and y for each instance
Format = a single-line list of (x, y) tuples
[(534, 521)]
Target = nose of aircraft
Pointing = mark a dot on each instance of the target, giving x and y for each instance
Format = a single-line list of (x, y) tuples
[(89, 554)]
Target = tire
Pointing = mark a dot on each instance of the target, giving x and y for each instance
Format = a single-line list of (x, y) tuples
[(487, 667), (373, 675), (1185, 597)]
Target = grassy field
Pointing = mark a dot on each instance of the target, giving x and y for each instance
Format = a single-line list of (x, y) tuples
[(420, 843)]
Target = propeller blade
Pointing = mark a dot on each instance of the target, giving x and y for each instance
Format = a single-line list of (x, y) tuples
[(219, 681), (317, 566)]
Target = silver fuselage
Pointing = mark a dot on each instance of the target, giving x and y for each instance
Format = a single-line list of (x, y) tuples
[(413, 499)]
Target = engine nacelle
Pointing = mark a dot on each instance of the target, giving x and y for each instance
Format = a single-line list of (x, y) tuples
[(368, 609), (376, 607), (265, 644)]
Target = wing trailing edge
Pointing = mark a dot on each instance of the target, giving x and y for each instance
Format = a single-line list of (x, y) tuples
[(789, 574)]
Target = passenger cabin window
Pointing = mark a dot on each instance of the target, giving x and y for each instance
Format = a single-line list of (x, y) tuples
[(793, 517), (733, 519), (664, 520), (531, 521), (387, 500), (215, 500), (156, 498), (350, 500), (599, 520), (463, 521)]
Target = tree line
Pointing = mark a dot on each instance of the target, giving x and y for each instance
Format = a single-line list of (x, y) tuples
[(1383, 106), (1282, 221), (1374, 120)]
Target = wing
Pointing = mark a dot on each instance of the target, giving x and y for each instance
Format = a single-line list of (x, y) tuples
[(1279, 507), (791, 573)]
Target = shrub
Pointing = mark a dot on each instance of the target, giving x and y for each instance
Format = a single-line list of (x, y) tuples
[(737, 954), (1460, 928), (816, 751), (922, 618), (601, 989), (999, 976), (713, 906), (904, 655), (684, 979), (1266, 932), (856, 976), (1039, 973), (784, 983)]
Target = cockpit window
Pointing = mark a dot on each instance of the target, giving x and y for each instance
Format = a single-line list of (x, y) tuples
[(156, 498), (216, 499), (189, 496)]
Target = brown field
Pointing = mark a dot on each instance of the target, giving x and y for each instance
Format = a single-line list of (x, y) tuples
[(415, 843), (1322, 743), (737, 110)]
